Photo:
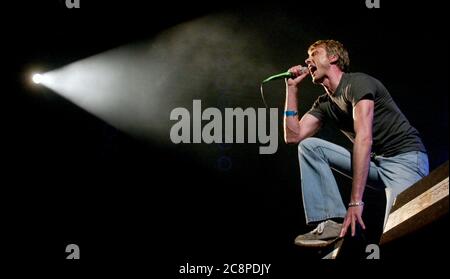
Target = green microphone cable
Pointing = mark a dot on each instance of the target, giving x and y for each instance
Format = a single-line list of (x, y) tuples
[(278, 76), (274, 77)]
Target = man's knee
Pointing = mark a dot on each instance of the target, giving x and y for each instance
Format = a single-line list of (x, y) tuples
[(309, 144)]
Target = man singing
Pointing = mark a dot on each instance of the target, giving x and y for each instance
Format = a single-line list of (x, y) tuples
[(387, 151)]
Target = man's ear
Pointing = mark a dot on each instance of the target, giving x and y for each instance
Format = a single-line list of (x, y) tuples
[(333, 58)]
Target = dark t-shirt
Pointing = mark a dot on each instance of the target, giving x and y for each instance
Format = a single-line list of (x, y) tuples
[(392, 134)]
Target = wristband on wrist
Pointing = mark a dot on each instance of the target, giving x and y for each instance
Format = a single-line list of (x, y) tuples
[(361, 203), (290, 113)]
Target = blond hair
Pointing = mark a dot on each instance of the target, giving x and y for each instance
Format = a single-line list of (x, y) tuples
[(334, 48)]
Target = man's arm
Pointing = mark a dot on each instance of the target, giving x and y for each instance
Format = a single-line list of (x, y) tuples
[(363, 121), (294, 130)]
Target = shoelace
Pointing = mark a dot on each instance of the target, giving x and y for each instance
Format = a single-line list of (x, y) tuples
[(319, 229)]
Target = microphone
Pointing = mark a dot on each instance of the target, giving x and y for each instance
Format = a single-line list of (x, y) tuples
[(284, 75)]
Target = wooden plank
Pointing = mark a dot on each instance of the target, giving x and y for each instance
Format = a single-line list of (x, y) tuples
[(332, 255), (421, 186), (419, 205), (415, 206)]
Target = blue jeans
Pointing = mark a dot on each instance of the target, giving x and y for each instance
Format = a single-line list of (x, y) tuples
[(321, 196)]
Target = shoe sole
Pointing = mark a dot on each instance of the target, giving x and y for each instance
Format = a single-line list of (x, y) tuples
[(316, 243)]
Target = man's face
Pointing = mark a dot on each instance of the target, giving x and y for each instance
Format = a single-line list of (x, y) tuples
[(318, 63)]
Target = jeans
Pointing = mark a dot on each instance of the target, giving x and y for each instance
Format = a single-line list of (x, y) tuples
[(321, 196)]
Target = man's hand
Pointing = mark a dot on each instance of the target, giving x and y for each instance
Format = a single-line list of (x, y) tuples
[(353, 215), (298, 74)]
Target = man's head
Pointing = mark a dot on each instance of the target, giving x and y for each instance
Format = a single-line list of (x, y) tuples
[(322, 55)]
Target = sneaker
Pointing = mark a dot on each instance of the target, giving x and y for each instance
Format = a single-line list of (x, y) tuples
[(323, 235)]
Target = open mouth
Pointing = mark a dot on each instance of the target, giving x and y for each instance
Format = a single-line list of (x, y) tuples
[(312, 69)]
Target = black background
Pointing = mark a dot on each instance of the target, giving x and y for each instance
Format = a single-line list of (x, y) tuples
[(72, 178)]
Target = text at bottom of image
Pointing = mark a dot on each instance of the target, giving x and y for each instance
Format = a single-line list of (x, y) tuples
[(223, 270)]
